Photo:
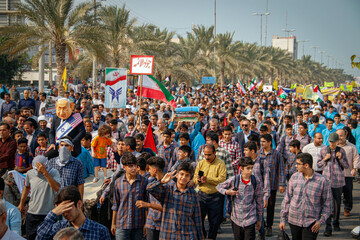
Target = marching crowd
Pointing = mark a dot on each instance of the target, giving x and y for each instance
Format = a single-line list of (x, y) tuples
[(229, 163)]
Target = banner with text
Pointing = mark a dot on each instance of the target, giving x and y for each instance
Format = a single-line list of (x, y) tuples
[(115, 87)]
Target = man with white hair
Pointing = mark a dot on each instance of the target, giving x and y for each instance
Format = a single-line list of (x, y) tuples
[(5, 232), (44, 182), (162, 111)]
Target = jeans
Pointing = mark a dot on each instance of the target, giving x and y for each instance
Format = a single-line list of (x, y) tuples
[(336, 192), (347, 190), (152, 234), (31, 224), (271, 209), (211, 205), (129, 234), (243, 233), (302, 233)]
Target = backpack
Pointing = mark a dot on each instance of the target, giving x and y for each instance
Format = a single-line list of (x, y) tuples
[(231, 199), (337, 149)]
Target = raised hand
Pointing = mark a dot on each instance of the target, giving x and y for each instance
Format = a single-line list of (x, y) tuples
[(167, 177)]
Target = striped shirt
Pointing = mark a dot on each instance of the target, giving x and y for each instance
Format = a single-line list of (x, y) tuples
[(277, 169), (248, 204), (306, 200), (181, 217), (234, 150), (166, 153), (261, 170), (284, 147), (332, 170), (125, 196)]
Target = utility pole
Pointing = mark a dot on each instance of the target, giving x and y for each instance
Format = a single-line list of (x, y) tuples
[(315, 47), (266, 21), (261, 14), (50, 63), (303, 42), (288, 31), (321, 56)]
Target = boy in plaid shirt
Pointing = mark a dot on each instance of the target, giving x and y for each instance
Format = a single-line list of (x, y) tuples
[(43, 145), (181, 218)]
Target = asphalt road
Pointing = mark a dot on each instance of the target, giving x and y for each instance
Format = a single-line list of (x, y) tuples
[(346, 223)]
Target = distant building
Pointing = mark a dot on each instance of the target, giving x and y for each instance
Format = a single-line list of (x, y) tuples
[(286, 43), (8, 13)]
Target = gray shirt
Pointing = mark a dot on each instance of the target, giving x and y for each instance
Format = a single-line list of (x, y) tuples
[(41, 194)]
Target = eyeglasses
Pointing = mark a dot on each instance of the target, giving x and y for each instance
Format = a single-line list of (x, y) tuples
[(244, 125)]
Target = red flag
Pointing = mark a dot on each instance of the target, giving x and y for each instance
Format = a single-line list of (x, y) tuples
[(225, 122), (149, 140)]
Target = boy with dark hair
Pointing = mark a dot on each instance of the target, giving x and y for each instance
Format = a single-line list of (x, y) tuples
[(141, 167), (69, 205), (328, 130), (247, 200), (128, 220), (283, 147), (23, 158), (232, 147), (183, 156), (311, 211), (43, 144), (166, 149), (180, 204), (290, 166)]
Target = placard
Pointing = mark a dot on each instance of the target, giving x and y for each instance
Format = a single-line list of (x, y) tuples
[(267, 88), (115, 87), (208, 80), (142, 65)]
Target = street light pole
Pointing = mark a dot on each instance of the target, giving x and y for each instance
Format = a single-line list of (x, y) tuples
[(303, 42), (261, 14), (321, 56), (288, 31), (266, 21), (315, 47)]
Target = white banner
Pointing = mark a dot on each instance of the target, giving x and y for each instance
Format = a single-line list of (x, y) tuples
[(267, 88), (142, 65), (115, 87)]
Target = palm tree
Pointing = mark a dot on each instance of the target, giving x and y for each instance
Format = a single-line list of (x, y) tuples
[(59, 21)]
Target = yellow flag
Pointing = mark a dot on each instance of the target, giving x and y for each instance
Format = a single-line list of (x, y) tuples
[(64, 79), (342, 87), (308, 93), (299, 91), (275, 85), (350, 88), (353, 84)]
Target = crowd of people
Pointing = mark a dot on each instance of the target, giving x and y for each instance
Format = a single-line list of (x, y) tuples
[(227, 165)]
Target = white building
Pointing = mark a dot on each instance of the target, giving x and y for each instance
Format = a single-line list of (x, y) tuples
[(286, 43), (8, 13)]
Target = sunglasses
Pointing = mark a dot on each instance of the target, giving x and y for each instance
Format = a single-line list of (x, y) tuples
[(244, 125)]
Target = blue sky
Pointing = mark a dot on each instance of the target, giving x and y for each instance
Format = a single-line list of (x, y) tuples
[(333, 25)]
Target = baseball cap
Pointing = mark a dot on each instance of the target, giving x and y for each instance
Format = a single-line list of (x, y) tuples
[(333, 137)]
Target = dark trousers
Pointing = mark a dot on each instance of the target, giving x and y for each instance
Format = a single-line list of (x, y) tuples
[(152, 234), (270, 210), (336, 192), (243, 233), (31, 225), (211, 205), (347, 190), (302, 233)]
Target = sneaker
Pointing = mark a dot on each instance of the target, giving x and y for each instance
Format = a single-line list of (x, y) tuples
[(327, 234), (337, 229), (268, 232), (346, 213), (95, 180)]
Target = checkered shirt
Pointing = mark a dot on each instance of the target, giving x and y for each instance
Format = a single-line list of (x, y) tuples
[(181, 218), (111, 161), (223, 155), (290, 165), (90, 230), (306, 200), (284, 147), (129, 216), (305, 140), (153, 220), (277, 168), (261, 170), (296, 128), (166, 153), (70, 174), (248, 203), (332, 170), (39, 151), (234, 150)]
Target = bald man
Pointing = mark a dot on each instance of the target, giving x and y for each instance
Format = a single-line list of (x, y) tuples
[(27, 101), (65, 123)]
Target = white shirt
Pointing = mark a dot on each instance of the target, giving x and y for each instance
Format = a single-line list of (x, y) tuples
[(29, 138), (315, 153), (9, 235), (42, 105)]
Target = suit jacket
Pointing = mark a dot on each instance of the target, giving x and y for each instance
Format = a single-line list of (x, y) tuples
[(37, 107), (76, 134), (34, 144), (240, 138)]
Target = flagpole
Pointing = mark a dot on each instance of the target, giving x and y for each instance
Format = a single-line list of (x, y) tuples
[(141, 86)]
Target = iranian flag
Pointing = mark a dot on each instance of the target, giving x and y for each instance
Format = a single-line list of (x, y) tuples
[(319, 94), (241, 88), (149, 140), (282, 93), (152, 88), (252, 84)]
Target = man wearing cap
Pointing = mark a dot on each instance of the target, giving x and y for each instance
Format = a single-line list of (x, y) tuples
[(333, 159), (70, 169), (66, 124), (44, 182)]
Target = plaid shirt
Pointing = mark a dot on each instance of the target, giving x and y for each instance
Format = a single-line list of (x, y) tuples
[(290, 167), (125, 196), (234, 150), (70, 174), (277, 169), (248, 204), (284, 147), (153, 220), (39, 151), (90, 230), (181, 217), (306, 200), (223, 155), (332, 170), (305, 140), (111, 162), (261, 170), (166, 153)]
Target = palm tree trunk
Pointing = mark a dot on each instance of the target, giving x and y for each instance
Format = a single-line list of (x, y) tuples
[(60, 50), (222, 73)]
